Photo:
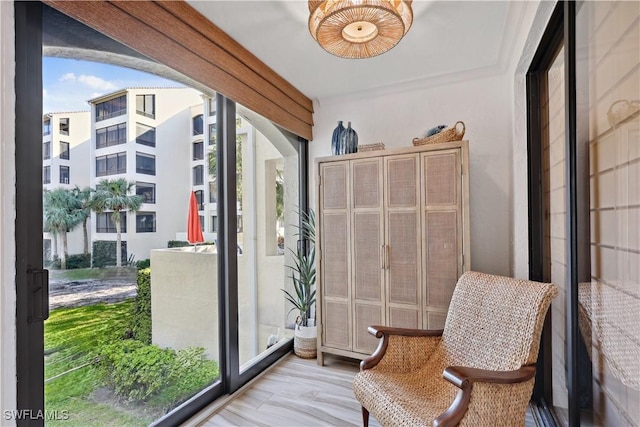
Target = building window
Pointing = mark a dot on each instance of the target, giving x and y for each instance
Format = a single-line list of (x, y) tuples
[(111, 108), (64, 150), (145, 135), (64, 126), (104, 223), (198, 125), (46, 175), (212, 134), (198, 175), (200, 200), (198, 150), (111, 164), (214, 224), (147, 191), (145, 222), (46, 150), (212, 106), (146, 105), (213, 192), (145, 163), (64, 174), (46, 127), (111, 135)]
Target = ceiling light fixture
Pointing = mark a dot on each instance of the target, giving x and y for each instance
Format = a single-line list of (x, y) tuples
[(357, 29)]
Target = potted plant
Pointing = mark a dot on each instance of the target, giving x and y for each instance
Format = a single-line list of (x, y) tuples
[(303, 297)]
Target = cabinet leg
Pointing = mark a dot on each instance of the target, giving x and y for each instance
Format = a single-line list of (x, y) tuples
[(320, 358)]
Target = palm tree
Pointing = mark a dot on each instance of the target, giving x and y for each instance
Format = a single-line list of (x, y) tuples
[(84, 198), (113, 195), (61, 214)]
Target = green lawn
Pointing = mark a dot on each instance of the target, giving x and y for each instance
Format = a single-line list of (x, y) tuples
[(94, 273), (71, 339)]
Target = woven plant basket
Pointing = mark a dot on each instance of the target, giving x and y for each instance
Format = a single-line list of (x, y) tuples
[(305, 342), (447, 135)]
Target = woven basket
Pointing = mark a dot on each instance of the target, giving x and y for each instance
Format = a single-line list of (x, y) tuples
[(447, 135), (371, 147), (305, 343)]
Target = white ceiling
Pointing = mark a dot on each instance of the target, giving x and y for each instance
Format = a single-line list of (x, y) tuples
[(447, 38)]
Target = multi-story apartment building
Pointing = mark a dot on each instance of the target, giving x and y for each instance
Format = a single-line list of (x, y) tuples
[(66, 140), (140, 134)]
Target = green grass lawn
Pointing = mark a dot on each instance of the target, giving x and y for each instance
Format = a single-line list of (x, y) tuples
[(71, 339), (94, 273)]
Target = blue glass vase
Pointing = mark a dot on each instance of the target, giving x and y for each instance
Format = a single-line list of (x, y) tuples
[(335, 139), (349, 140)]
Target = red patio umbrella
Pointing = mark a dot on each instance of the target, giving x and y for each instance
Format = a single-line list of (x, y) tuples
[(194, 230)]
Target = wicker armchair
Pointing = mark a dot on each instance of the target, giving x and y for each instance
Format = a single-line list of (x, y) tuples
[(479, 371)]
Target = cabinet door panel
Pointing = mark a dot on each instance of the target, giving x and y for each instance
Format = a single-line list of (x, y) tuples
[(403, 257), (441, 179), (336, 324), (335, 254), (401, 186), (334, 186), (404, 318), (442, 256), (366, 315), (367, 244), (366, 184)]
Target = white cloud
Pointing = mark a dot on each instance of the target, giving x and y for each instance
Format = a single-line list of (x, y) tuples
[(96, 83), (68, 76), (44, 93)]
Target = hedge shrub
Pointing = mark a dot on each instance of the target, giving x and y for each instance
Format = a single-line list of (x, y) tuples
[(138, 371), (143, 263), (104, 253), (177, 244), (78, 261), (141, 318)]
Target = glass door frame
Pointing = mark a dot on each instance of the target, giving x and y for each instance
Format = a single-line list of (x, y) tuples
[(29, 263), (560, 31)]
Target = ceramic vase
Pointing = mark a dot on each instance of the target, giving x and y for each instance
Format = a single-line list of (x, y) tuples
[(349, 140), (335, 139)]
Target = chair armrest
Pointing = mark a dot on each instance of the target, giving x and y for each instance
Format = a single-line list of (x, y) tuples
[(386, 332), (464, 377)]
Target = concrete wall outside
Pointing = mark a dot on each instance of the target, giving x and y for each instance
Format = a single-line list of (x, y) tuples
[(184, 301)]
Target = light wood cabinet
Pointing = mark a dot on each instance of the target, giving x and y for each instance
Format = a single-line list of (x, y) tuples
[(393, 238)]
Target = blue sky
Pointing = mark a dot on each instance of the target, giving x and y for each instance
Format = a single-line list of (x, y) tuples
[(69, 83)]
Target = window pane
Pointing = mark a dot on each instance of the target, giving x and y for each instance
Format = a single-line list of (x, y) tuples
[(198, 125), (198, 150), (46, 128), (64, 150), (145, 105), (212, 134), (46, 175), (111, 108), (64, 174), (267, 191), (145, 163), (105, 224), (145, 222), (111, 164), (145, 135), (46, 150), (147, 191), (198, 175), (64, 126)]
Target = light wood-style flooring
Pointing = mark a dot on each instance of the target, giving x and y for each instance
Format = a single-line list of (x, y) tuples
[(296, 392)]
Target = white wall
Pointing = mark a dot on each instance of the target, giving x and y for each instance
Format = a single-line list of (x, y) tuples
[(395, 117), (7, 212)]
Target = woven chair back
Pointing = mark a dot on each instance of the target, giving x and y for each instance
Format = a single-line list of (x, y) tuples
[(495, 322)]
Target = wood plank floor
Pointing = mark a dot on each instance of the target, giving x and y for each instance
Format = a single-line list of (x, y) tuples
[(298, 392)]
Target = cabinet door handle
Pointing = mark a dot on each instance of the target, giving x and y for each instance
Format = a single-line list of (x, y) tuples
[(386, 257), (382, 257)]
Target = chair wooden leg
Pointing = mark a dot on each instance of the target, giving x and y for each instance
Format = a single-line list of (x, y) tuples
[(365, 417)]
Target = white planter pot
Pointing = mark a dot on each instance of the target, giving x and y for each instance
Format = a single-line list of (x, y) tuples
[(305, 342)]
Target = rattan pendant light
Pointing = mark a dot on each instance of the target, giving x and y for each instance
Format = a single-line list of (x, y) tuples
[(359, 28)]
